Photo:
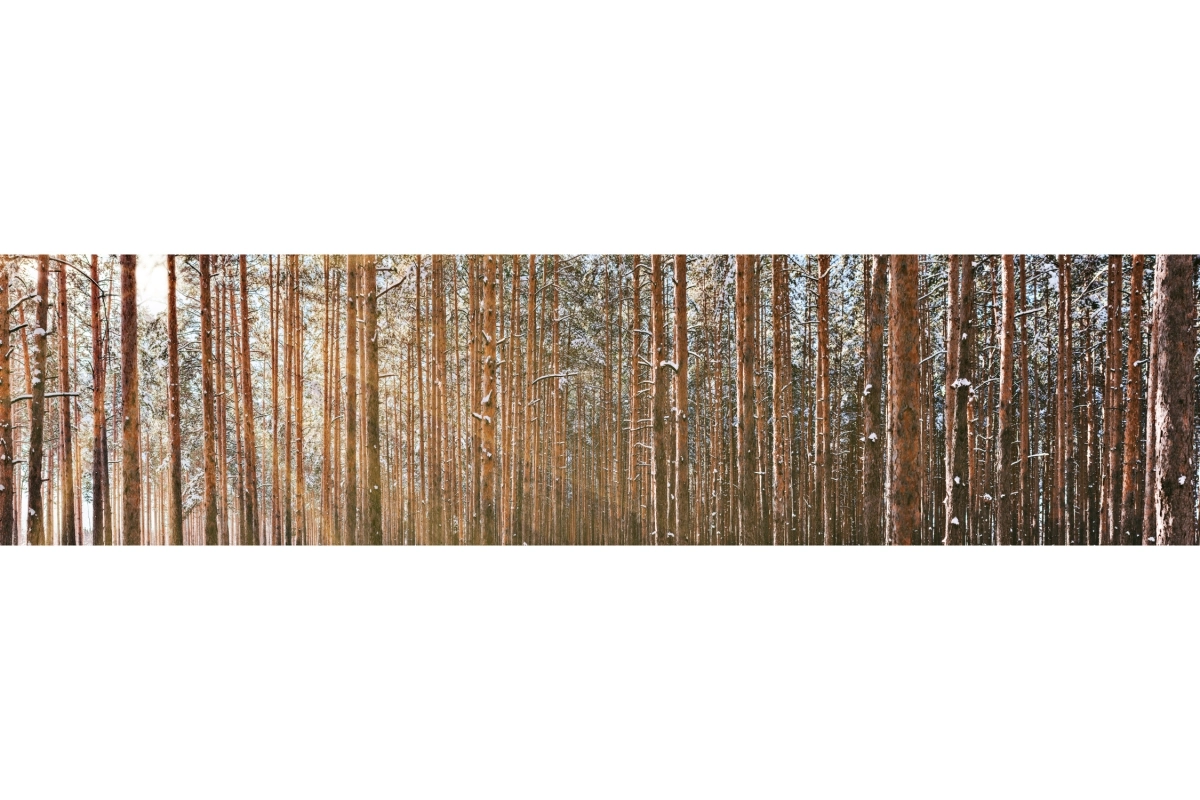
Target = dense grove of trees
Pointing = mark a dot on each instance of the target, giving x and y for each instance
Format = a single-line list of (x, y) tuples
[(600, 399)]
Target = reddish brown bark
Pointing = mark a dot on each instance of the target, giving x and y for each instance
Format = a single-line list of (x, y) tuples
[(131, 466), (1132, 490), (1173, 331), (904, 504)]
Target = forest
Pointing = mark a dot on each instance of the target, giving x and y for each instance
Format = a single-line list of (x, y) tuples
[(599, 400)]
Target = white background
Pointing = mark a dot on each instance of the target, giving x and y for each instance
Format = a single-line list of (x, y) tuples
[(616, 127)]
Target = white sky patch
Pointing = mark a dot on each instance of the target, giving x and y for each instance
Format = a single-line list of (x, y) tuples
[(152, 283)]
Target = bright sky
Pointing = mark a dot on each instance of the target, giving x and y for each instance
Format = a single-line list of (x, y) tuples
[(152, 283)]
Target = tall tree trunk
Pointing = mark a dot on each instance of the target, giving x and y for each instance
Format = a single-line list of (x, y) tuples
[(1064, 445), (750, 518), (173, 424), (131, 467), (953, 341), (635, 473), (7, 491), (1110, 500), (37, 532), (371, 403), (351, 397), (823, 499), (487, 404), (219, 398), (1149, 512), (250, 531), (958, 518), (1007, 498), (516, 402), (903, 483), (1132, 490), (273, 299), (558, 406), (106, 475), (1173, 331), (70, 534), (1026, 510), (1090, 474), (683, 492), (874, 435), (211, 532), (662, 533), (298, 393), (437, 399)]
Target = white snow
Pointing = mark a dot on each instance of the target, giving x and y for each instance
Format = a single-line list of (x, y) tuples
[(987, 498), (1182, 480), (957, 481), (954, 521), (873, 437)]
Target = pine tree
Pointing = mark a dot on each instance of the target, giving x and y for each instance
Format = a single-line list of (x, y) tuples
[(1174, 346), (131, 431), (904, 506)]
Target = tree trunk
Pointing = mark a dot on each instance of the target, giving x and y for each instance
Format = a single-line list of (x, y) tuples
[(437, 400), (211, 533), (487, 402), (70, 534), (1026, 510), (823, 499), (873, 433), (250, 530), (219, 399), (174, 432), (1174, 335), (634, 487), (1007, 496), (750, 518), (131, 467), (1110, 501), (958, 517), (658, 368), (36, 531), (7, 491), (298, 393), (1149, 513), (1132, 490), (683, 493), (273, 289), (371, 403), (904, 502), (1064, 400), (352, 397)]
